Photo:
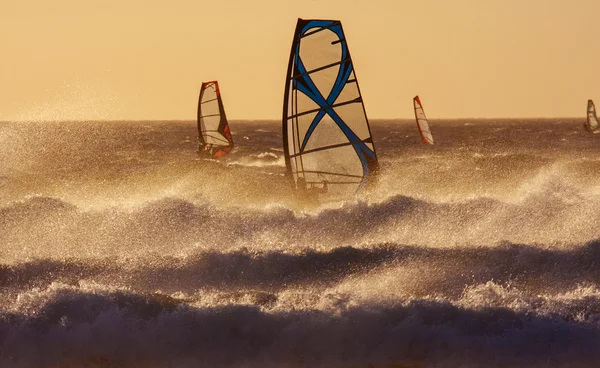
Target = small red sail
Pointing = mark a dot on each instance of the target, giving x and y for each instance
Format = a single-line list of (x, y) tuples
[(422, 123)]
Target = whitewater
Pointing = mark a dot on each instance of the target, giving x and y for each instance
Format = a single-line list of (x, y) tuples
[(120, 247)]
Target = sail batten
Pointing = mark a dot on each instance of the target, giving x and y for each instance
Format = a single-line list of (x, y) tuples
[(321, 68), (303, 152), (327, 138), (422, 122), (207, 101), (214, 136), (592, 123), (326, 107)]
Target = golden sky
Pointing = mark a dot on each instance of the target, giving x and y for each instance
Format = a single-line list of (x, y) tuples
[(146, 59)]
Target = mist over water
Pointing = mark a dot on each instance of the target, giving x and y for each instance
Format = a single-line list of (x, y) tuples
[(119, 247)]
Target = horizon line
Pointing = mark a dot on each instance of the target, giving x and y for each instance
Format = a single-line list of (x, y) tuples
[(274, 120)]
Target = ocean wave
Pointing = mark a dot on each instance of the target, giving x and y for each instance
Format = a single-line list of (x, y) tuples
[(66, 326), (480, 251), (263, 159), (551, 218), (389, 269), (33, 208)]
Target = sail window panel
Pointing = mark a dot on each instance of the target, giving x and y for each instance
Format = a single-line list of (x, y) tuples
[(426, 135), (317, 50), (340, 167), (341, 161), (209, 100), (215, 138), (327, 133), (210, 108), (209, 93), (425, 132), (349, 92), (304, 104), (424, 127), (210, 123), (353, 116), (323, 79), (303, 123)]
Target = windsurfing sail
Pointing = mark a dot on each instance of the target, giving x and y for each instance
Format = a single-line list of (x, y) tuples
[(422, 123), (592, 120), (214, 136), (327, 140)]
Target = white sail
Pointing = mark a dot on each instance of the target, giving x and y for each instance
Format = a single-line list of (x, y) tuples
[(327, 138), (592, 120), (214, 136), (422, 123)]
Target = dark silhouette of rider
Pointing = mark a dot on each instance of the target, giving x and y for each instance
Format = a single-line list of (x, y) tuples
[(311, 192), (205, 149)]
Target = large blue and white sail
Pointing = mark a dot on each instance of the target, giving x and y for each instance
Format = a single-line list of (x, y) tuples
[(592, 120), (326, 133)]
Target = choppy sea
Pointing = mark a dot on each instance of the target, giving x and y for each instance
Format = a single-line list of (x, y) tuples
[(119, 247)]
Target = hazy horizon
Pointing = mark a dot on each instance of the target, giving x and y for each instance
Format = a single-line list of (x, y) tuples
[(402, 120), (142, 60)]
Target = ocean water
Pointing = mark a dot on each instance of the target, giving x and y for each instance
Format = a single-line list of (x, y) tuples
[(119, 247)]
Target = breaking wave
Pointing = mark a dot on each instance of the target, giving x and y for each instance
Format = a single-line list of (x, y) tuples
[(102, 327), (120, 248)]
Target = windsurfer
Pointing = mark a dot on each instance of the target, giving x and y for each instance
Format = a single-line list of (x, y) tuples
[(205, 149), (310, 193), (324, 188)]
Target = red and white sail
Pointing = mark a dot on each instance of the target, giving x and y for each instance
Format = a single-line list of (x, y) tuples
[(422, 123)]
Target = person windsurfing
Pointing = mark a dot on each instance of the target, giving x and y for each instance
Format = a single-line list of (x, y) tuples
[(205, 149), (309, 194)]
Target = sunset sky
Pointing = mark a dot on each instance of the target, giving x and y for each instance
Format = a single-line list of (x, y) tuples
[(146, 59)]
